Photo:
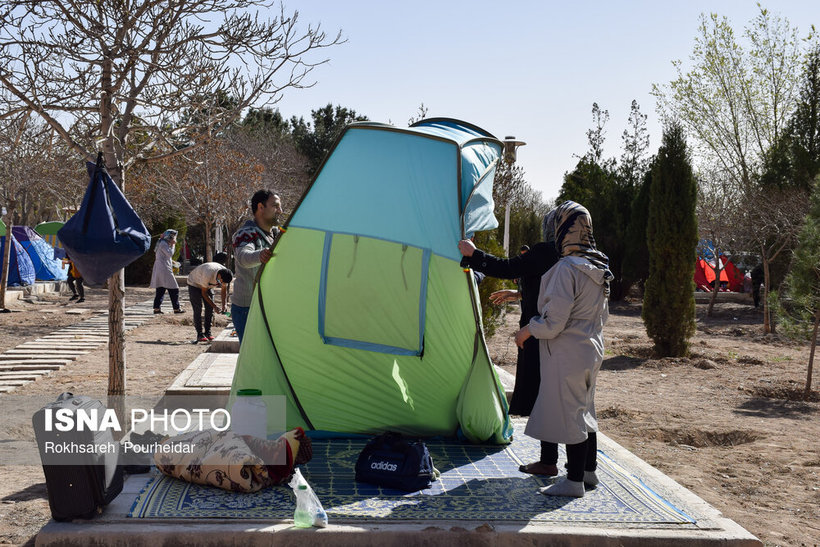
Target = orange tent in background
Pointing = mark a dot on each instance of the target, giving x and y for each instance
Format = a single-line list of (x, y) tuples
[(701, 280), (733, 274), (705, 275)]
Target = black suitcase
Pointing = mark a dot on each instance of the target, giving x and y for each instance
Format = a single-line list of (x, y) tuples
[(80, 481)]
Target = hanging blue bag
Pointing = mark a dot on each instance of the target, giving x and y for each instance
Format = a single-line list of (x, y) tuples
[(106, 234)]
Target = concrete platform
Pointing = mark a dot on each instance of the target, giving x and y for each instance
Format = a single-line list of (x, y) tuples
[(209, 373), (39, 287), (224, 342), (38, 356), (40, 353), (26, 364), (725, 296), (507, 380), (59, 344), (212, 374), (114, 528), (31, 374)]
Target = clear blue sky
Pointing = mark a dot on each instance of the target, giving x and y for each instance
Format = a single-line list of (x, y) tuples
[(531, 69)]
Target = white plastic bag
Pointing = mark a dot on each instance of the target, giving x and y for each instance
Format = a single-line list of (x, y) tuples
[(307, 504)]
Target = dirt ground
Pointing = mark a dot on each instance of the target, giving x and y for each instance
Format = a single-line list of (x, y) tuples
[(728, 423), (155, 352)]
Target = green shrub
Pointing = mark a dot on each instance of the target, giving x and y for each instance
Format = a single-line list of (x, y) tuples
[(671, 236)]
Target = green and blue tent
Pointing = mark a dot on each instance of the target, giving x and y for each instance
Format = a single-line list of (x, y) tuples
[(48, 230), (363, 319)]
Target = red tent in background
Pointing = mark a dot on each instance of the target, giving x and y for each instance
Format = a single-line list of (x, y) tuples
[(701, 281), (734, 275), (705, 275)]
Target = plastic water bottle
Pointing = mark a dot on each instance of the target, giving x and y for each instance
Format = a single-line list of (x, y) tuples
[(249, 414), (302, 516)]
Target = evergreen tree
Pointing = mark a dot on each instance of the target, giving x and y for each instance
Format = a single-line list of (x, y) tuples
[(315, 142), (607, 189), (803, 283), (635, 140), (636, 267), (672, 234), (794, 159), (267, 121)]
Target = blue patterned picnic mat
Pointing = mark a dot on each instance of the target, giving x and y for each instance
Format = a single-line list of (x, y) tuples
[(477, 483)]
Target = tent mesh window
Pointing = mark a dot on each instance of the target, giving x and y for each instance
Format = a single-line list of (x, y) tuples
[(355, 265)]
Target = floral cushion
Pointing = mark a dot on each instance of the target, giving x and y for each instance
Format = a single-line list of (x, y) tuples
[(238, 463)]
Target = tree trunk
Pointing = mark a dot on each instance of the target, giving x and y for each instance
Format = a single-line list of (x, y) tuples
[(23, 212), (768, 325), (116, 329), (229, 246), (209, 255), (219, 237), (4, 276), (807, 391), (715, 287), (116, 283), (116, 337)]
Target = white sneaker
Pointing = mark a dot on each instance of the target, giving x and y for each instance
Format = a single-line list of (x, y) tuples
[(565, 488)]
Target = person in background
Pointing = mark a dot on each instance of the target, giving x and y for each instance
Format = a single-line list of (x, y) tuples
[(252, 248), (573, 307), (162, 276), (528, 267), (75, 281), (523, 250), (201, 282), (757, 282)]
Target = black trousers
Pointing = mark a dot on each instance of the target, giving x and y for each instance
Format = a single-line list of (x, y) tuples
[(582, 457), (76, 285), (172, 293), (549, 453), (195, 294)]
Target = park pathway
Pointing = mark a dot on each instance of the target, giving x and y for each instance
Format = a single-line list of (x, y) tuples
[(31, 360)]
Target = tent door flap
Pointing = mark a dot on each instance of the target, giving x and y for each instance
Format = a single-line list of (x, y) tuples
[(373, 294)]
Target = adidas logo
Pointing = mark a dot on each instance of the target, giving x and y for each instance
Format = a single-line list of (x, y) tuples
[(383, 466)]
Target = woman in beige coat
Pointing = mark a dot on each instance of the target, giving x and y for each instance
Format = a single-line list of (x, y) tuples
[(162, 276), (572, 303)]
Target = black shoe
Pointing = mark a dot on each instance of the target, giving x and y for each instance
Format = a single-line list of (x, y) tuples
[(179, 310), (157, 310), (74, 297), (136, 469), (80, 300), (149, 437)]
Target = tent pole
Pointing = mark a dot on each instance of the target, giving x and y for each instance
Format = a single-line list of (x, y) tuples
[(507, 230)]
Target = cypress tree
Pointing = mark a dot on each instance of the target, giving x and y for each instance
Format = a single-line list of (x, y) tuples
[(801, 314), (636, 267), (672, 234)]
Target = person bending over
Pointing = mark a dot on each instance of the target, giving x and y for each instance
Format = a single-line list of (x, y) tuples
[(201, 282)]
